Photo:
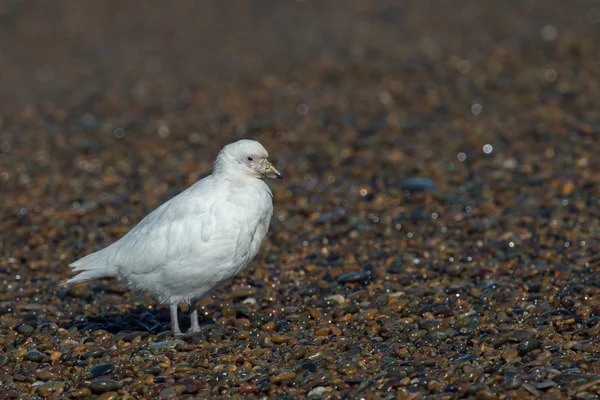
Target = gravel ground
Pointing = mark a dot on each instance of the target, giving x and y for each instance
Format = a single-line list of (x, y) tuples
[(436, 235)]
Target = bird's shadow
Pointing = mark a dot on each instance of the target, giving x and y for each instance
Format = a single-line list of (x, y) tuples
[(141, 319)]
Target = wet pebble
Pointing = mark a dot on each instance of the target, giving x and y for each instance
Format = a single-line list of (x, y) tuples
[(108, 396), (34, 355), (355, 277), (165, 345), (104, 385), (282, 375), (102, 369), (528, 345), (418, 184)]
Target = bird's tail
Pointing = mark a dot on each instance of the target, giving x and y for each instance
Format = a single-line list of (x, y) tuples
[(92, 266)]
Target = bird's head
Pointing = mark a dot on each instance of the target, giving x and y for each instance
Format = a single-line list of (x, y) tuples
[(246, 157)]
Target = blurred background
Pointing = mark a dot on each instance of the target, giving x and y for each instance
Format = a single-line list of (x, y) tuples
[(136, 78)]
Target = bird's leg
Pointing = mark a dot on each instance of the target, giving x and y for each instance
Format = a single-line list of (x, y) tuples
[(195, 324), (174, 321)]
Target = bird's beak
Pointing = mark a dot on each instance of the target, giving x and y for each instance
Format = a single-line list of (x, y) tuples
[(271, 171)]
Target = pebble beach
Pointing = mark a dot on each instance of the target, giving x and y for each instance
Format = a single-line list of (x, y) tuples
[(435, 236)]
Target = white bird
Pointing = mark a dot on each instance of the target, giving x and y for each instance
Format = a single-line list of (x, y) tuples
[(198, 239)]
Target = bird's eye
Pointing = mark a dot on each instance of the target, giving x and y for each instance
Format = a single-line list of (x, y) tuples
[(250, 158)]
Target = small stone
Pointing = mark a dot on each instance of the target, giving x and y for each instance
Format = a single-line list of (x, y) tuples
[(166, 344), (278, 339), (563, 379), (108, 396), (528, 345), (510, 354), (35, 356), (25, 329), (46, 375), (3, 360), (283, 374), (94, 353), (49, 389), (438, 336), (545, 385), (101, 369), (310, 367), (240, 293), (228, 311), (316, 393), (269, 326), (129, 337), (104, 385), (79, 393), (243, 335), (418, 184), (167, 393), (347, 367), (322, 331), (248, 388), (485, 395), (355, 277)]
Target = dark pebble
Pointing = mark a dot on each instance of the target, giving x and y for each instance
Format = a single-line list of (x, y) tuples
[(310, 367), (563, 379), (418, 185), (95, 353), (528, 345), (104, 385), (34, 355), (25, 329), (435, 336), (545, 385), (452, 389), (102, 369), (9, 394), (130, 336), (355, 277)]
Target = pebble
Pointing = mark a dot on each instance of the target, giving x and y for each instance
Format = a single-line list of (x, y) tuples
[(283, 375), (95, 353), (167, 344), (108, 396), (528, 345), (418, 184), (102, 369), (25, 329), (104, 385), (35, 356), (316, 393), (355, 277), (50, 389)]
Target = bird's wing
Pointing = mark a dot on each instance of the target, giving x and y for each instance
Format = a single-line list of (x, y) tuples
[(186, 222)]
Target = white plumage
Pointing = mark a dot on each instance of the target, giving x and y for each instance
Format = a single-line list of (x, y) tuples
[(198, 239)]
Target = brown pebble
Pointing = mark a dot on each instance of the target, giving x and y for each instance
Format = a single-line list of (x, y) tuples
[(269, 326), (324, 331), (248, 388), (289, 375), (278, 339), (243, 335), (108, 396)]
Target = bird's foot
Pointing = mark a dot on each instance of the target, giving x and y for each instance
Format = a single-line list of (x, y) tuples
[(193, 331)]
